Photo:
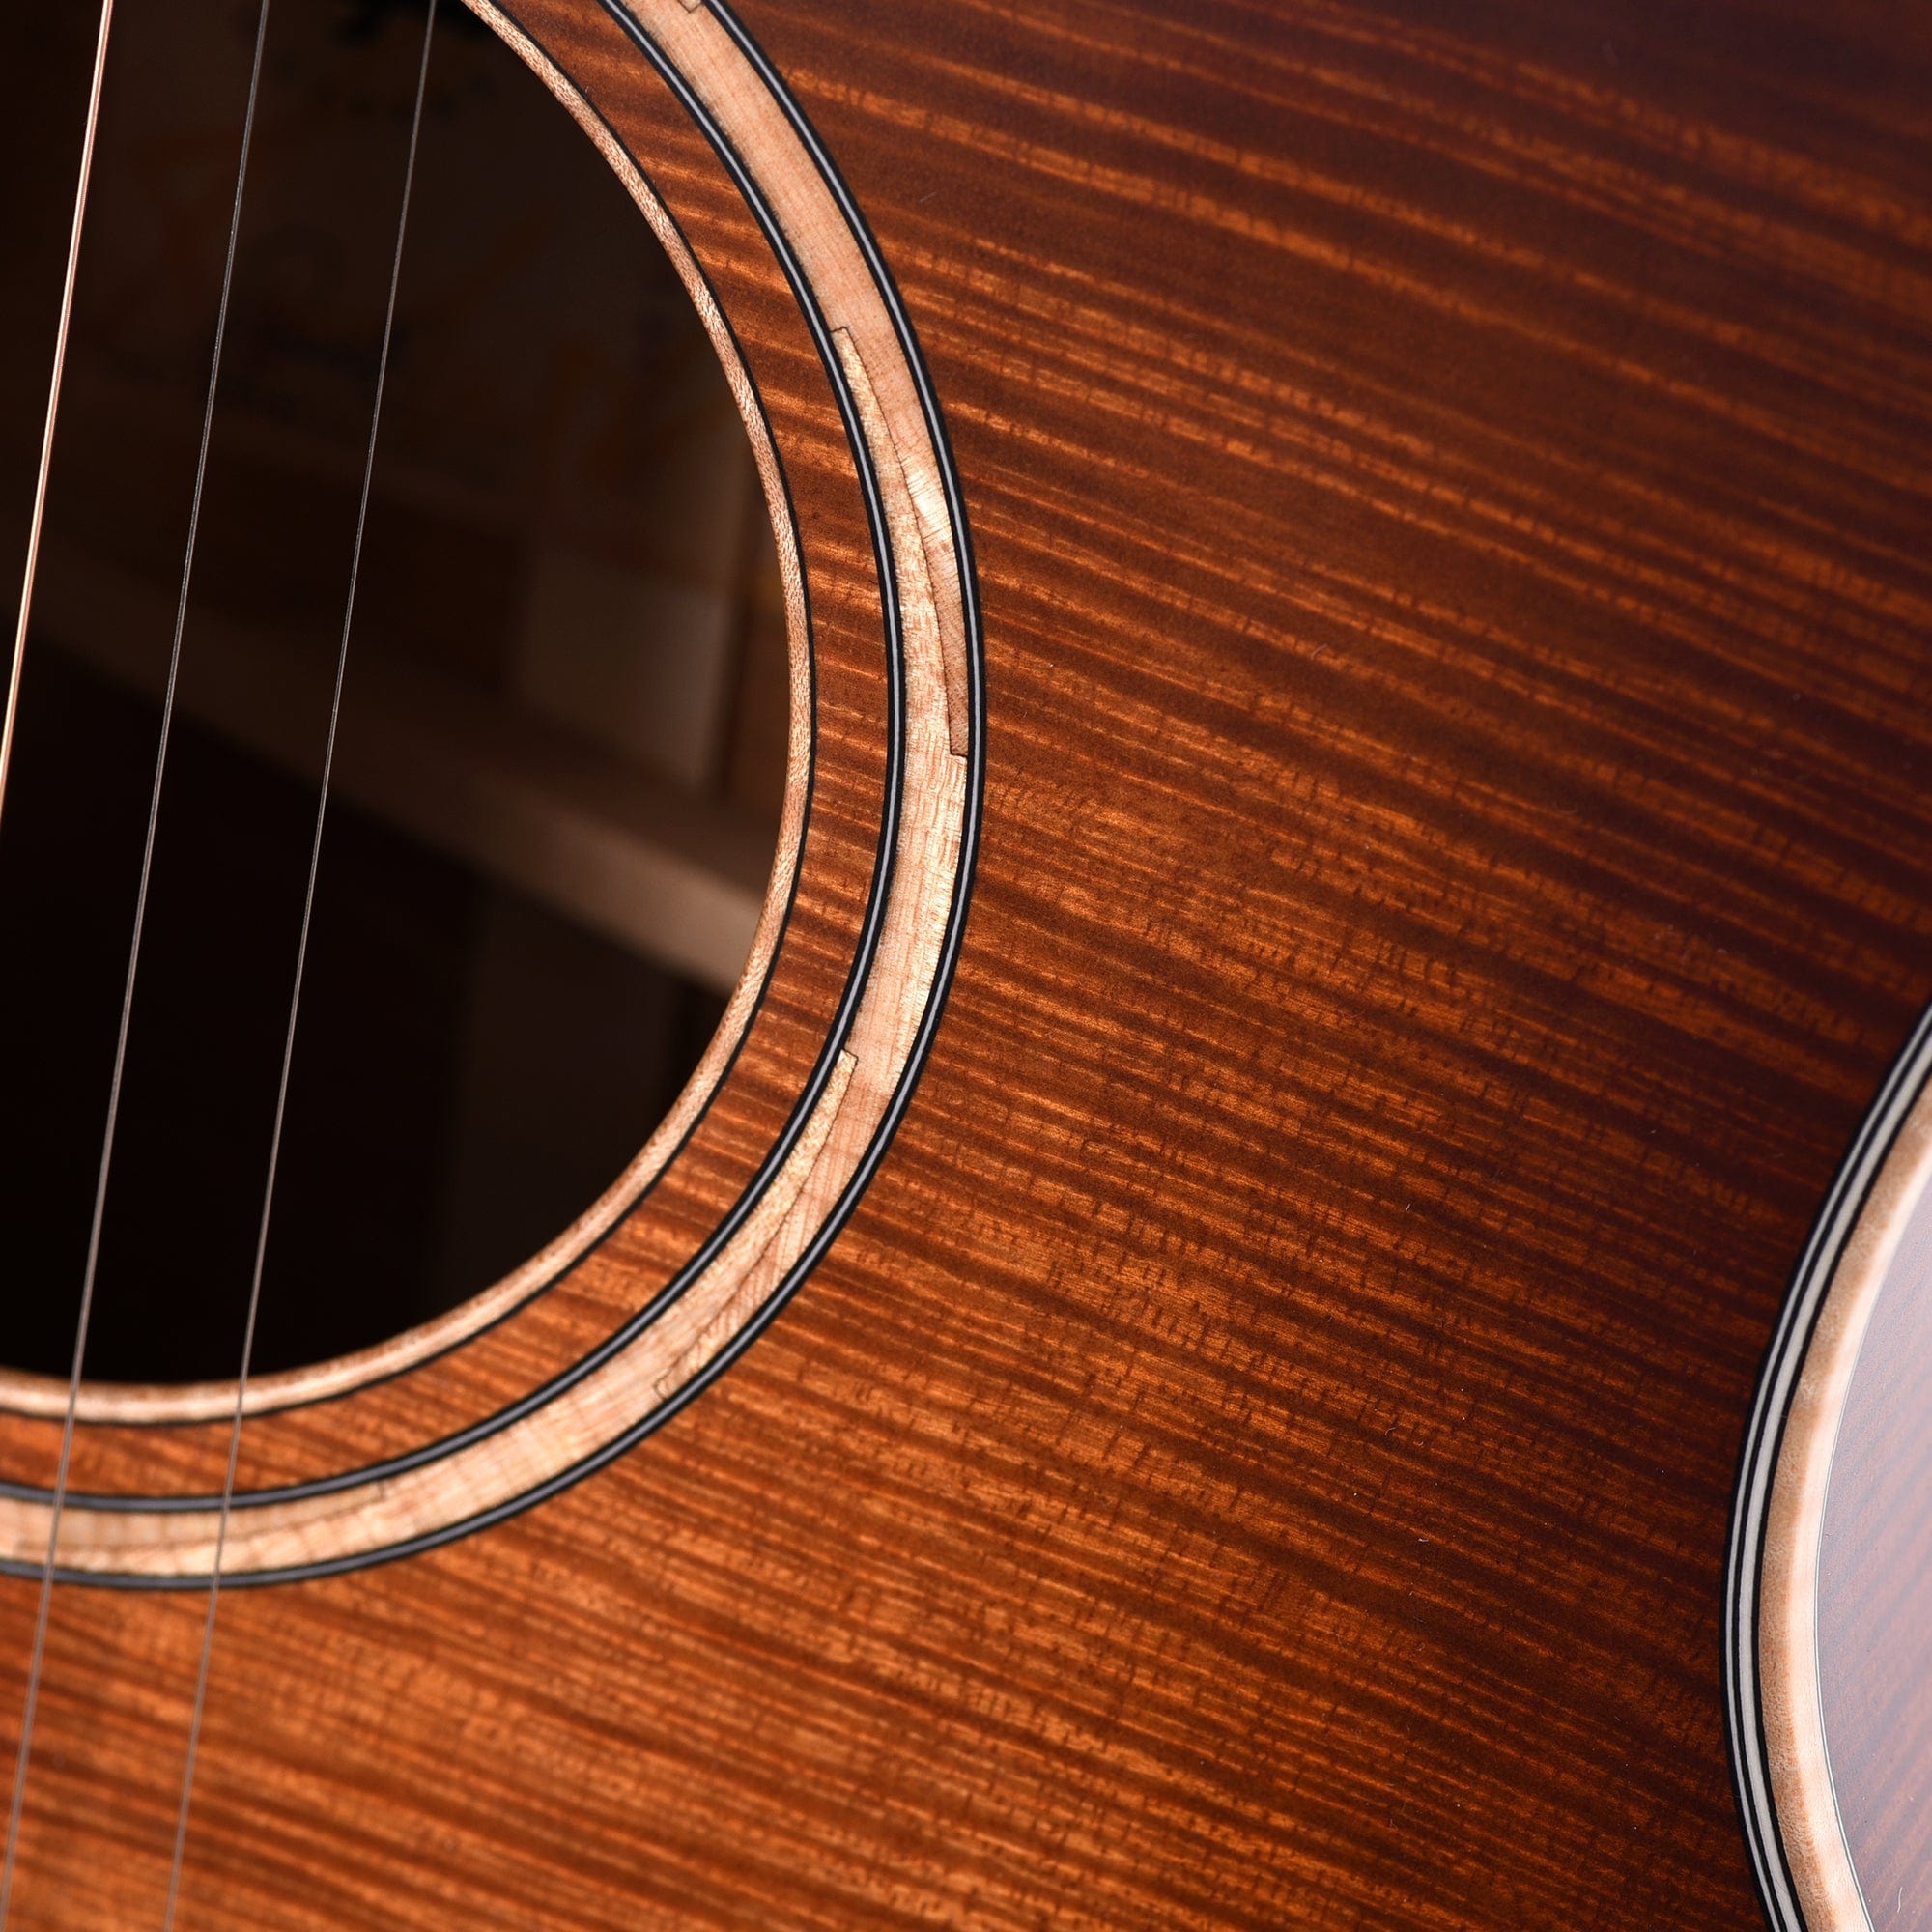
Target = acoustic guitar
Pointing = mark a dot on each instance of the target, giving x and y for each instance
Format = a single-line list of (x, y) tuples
[(1256, 1014)]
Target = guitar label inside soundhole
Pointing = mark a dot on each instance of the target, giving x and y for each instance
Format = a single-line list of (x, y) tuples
[(562, 743)]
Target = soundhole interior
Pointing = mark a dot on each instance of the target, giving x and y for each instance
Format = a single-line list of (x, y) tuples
[(561, 751)]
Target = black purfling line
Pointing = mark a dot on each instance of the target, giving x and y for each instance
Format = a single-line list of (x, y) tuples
[(546, 1392), (923, 1041), (1764, 1437), (882, 552), (949, 475), (816, 1081), (863, 956), (96, 1499)]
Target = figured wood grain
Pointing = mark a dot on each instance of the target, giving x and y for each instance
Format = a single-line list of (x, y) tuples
[(669, 889), (1448, 497), (726, 1285), (734, 1107)]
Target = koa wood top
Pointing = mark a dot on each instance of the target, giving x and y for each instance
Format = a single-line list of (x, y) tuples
[(1448, 496)]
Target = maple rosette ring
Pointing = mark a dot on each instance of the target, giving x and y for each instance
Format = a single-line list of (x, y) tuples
[(538, 1381)]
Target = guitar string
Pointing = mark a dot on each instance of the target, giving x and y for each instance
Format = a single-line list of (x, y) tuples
[(295, 1001), (23, 1750), (53, 411)]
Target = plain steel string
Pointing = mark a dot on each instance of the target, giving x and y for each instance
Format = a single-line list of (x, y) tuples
[(294, 998), (88, 139), (23, 1751), (53, 412)]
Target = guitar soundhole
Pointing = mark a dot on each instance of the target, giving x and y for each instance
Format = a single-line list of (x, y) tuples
[(566, 684)]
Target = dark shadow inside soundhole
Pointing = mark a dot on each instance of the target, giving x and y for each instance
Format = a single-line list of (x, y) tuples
[(562, 738), (469, 1066)]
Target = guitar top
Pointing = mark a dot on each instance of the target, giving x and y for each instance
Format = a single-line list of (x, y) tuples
[(1358, 845)]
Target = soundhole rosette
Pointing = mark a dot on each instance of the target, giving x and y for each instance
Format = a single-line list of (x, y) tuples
[(693, 1319)]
